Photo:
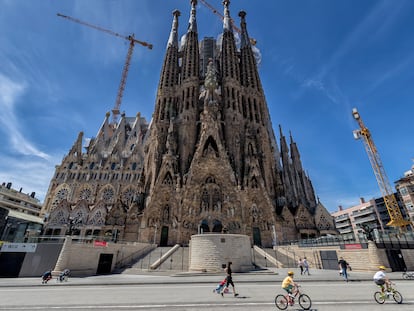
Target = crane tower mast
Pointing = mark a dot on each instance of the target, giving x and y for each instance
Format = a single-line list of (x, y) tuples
[(132, 42), (396, 218)]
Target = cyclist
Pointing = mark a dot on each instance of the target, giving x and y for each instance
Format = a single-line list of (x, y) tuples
[(288, 284), (380, 278)]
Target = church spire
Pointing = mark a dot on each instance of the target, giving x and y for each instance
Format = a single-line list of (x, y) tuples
[(227, 26), (192, 23), (249, 73), (229, 59), (173, 40), (245, 41), (191, 59)]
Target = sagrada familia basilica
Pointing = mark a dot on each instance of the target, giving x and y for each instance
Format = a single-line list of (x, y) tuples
[(207, 162)]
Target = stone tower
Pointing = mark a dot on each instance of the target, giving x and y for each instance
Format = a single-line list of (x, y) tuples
[(212, 163), (209, 161)]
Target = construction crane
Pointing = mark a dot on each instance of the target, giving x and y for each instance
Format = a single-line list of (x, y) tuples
[(132, 42), (396, 218), (210, 7)]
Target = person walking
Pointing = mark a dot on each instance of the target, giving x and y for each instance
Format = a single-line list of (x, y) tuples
[(300, 265), (305, 265), (343, 266), (229, 280)]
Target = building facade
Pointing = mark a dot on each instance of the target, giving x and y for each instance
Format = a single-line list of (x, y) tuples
[(405, 187), (353, 222), (208, 162), (19, 214)]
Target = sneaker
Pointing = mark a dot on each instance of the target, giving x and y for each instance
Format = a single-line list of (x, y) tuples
[(222, 294), (235, 294)]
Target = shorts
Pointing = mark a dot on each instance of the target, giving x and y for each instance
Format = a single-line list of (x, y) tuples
[(379, 282), (229, 281), (288, 289)]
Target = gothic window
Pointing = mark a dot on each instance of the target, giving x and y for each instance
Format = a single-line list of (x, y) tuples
[(216, 200), (166, 214), (59, 218), (204, 201), (91, 165), (61, 194), (254, 183), (98, 219), (85, 194), (250, 149), (168, 179), (108, 194), (255, 214), (128, 196), (210, 180)]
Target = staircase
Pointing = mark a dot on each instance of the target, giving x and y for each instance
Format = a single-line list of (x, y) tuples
[(177, 261)]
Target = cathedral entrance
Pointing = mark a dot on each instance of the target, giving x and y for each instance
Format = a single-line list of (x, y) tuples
[(164, 236), (217, 226), (257, 239), (204, 226)]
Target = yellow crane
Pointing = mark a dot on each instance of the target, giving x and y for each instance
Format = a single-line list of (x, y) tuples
[(132, 42), (396, 218), (212, 9)]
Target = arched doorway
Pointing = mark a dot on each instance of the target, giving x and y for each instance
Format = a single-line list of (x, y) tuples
[(204, 226), (217, 226)]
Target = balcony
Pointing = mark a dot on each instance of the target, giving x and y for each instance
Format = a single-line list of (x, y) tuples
[(360, 220), (365, 211)]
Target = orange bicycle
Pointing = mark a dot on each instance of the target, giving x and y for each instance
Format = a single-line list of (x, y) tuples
[(283, 301)]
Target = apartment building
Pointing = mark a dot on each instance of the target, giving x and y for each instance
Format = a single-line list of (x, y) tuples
[(405, 186), (19, 214)]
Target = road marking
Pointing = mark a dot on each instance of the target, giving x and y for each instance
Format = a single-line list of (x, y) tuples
[(189, 305)]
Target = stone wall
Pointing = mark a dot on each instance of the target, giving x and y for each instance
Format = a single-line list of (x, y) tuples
[(367, 259), (83, 258), (209, 252)]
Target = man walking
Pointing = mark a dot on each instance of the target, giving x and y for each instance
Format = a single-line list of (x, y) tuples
[(343, 266)]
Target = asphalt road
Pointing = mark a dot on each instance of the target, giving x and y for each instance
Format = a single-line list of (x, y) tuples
[(198, 295)]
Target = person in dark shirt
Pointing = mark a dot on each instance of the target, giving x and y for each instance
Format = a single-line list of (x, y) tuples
[(46, 276), (343, 266), (229, 280)]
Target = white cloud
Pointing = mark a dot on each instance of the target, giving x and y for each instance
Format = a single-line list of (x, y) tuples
[(33, 175), (10, 92)]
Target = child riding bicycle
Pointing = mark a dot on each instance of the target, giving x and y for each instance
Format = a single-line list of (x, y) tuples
[(380, 278), (288, 284)]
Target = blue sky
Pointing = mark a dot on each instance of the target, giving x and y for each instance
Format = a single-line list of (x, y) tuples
[(320, 59)]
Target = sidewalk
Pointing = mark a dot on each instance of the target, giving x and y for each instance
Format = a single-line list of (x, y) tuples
[(139, 277)]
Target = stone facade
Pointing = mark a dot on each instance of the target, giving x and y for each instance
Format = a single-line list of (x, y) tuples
[(209, 161)]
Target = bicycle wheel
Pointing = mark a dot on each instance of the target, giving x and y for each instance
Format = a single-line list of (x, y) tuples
[(397, 297), (405, 276), (304, 301), (281, 302), (379, 297)]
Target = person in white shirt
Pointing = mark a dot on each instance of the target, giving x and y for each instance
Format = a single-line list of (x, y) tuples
[(380, 278)]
